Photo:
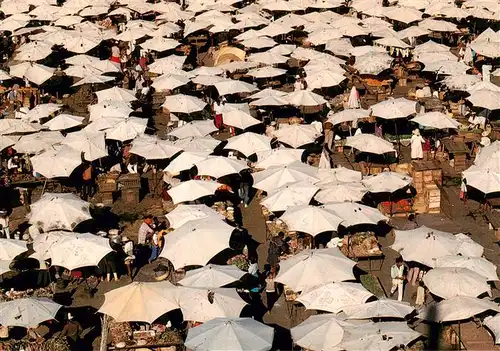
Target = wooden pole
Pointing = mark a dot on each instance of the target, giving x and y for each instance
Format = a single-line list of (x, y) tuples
[(104, 333)]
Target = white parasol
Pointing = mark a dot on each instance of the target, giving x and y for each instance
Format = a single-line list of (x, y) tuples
[(192, 190), (297, 135), (10, 248), (424, 245), (383, 308), (386, 182), (34, 143), (239, 119), (64, 121), (479, 265), (140, 301), (67, 160), (27, 312), (450, 282), (92, 144), (202, 305), (334, 297), (457, 308), (249, 143), (185, 213), (313, 267), (370, 144), (80, 250), (493, 324), (353, 213), (34, 72), (278, 157), (310, 219), (340, 191), (230, 334), (115, 94), (196, 242), (394, 108), (294, 194), (152, 148), (219, 166), (212, 276), (278, 176), (185, 161), (205, 144), (59, 211)]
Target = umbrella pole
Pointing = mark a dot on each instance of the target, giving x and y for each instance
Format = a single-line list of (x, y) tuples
[(44, 185), (459, 337)]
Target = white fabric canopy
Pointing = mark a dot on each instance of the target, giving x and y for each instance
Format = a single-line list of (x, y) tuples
[(27, 312), (334, 297), (196, 242), (212, 276), (249, 143), (140, 301), (370, 143), (185, 213), (192, 190), (457, 308), (219, 166), (278, 176), (383, 308), (313, 267), (294, 194), (311, 219), (450, 282)]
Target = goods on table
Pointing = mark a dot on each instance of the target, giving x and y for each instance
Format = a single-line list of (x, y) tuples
[(170, 337), (239, 261), (119, 332), (225, 210), (290, 295), (276, 226), (14, 295), (360, 245)]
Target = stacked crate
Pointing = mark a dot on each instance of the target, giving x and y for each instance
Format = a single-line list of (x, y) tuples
[(432, 195), (427, 179), (130, 187)]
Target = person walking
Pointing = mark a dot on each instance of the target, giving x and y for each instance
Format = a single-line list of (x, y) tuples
[(271, 293), (72, 330), (397, 275)]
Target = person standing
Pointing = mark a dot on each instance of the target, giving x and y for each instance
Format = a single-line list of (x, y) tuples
[(217, 110), (72, 330), (128, 249), (463, 191), (145, 231), (87, 186), (397, 275), (417, 151), (271, 293), (155, 248)]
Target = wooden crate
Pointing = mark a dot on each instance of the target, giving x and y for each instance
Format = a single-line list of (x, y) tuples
[(107, 198), (131, 196), (433, 198)]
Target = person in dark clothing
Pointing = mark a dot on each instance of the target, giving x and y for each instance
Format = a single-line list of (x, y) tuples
[(72, 330), (277, 247)]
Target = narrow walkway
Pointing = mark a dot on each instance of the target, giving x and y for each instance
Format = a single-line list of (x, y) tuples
[(255, 223), (477, 338)]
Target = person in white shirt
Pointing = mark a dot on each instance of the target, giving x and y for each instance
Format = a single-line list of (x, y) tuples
[(397, 275), (298, 84)]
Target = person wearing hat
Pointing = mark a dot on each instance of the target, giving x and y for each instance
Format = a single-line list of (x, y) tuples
[(115, 53), (298, 84), (417, 152)]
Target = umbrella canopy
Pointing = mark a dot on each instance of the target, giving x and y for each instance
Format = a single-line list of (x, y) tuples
[(34, 143), (479, 265), (249, 143), (313, 267), (185, 161), (6, 141), (160, 44), (450, 282), (233, 87), (219, 166), (291, 195), (185, 213), (394, 108), (297, 135), (80, 250), (10, 248), (115, 94), (384, 308), (202, 305), (278, 176), (64, 121), (93, 79), (239, 119), (424, 245), (198, 144), (353, 213), (59, 211), (340, 191), (493, 324), (44, 241), (169, 82), (196, 242), (322, 332), (33, 51), (41, 111), (348, 115), (311, 219), (194, 129), (67, 160), (140, 301), (230, 334), (339, 174), (482, 178), (266, 72), (387, 182), (485, 98), (34, 72), (468, 247), (152, 148), (383, 336), (183, 103), (373, 63), (304, 98), (92, 144), (212, 276), (436, 120), (457, 308), (192, 190), (27, 312), (333, 297), (278, 157), (369, 143)]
